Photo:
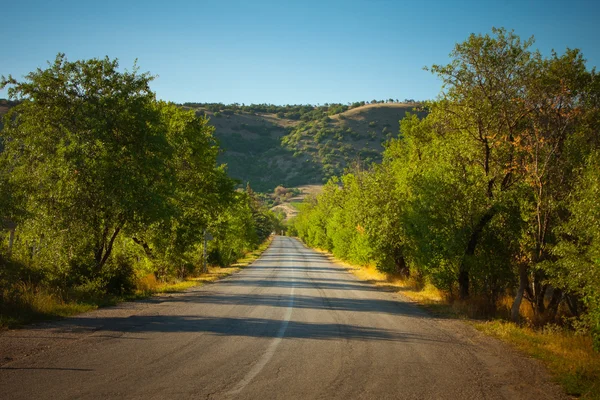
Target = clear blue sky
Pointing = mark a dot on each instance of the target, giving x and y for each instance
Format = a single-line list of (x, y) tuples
[(280, 51)]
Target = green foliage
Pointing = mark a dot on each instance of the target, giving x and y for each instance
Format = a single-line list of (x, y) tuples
[(330, 151), (577, 268), (86, 148)]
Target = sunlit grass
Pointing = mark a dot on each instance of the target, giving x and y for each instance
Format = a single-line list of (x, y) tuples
[(30, 303), (568, 356), (422, 292)]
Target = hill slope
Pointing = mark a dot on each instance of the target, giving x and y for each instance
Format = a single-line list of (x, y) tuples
[(268, 148)]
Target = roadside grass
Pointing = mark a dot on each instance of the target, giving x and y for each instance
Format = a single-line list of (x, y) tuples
[(568, 355), (30, 303)]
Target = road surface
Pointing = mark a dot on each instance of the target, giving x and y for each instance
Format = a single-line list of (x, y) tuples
[(292, 326)]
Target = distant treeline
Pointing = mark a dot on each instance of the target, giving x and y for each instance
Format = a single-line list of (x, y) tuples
[(304, 112), (494, 194)]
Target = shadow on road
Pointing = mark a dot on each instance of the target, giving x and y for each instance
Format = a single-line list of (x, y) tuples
[(252, 327), (288, 282)]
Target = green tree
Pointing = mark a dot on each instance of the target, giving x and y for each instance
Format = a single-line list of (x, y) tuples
[(553, 147), (577, 269), (86, 145), (200, 191), (484, 88)]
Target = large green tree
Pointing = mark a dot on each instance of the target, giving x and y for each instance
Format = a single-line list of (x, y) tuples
[(488, 192), (484, 85), (87, 146)]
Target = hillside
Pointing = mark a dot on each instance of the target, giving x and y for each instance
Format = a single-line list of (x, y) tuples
[(5, 105), (270, 146)]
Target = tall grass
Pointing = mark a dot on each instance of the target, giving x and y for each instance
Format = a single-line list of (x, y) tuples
[(25, 302), (567, 354)]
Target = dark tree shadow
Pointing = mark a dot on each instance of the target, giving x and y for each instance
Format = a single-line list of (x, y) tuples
[(252, 327)]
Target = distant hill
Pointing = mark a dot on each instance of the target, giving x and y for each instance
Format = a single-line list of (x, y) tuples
[(300, 145)]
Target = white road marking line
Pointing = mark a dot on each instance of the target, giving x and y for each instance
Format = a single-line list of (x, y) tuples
[(270, 350)]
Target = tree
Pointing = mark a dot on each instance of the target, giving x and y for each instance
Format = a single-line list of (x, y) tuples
[(553, 146), (200, 191), (484, 85), (87, 146), (577, 268)]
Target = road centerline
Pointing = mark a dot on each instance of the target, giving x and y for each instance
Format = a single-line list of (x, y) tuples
[(266, 357)]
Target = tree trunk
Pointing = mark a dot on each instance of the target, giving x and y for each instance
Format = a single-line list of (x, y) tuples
[(204, 255), (573, 303), (463, 284), (400, 263), (105, 252), (557, 297), (145, 246), (100, 247), (540, 299), (463, 272), (523, 283), (11, 240)]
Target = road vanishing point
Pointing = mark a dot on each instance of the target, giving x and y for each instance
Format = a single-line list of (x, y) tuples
[(294, 325)]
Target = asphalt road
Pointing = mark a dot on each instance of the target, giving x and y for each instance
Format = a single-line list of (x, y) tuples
[(292, 326)]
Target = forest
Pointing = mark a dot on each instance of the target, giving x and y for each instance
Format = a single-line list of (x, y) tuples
[(103, 186), (493, 195)]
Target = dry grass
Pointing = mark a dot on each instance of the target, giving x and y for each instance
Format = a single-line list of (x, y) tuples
[(421, 292), (568, 356), (289, 210), (30, 303), (378, 106), (289, 206)]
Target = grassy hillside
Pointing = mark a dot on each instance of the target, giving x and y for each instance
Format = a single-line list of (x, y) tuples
[(299, 145), (253, 151)]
